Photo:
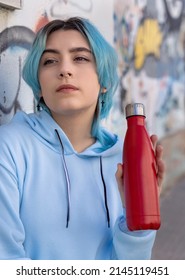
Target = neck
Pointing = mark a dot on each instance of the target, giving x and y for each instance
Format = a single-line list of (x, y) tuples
[(77, 129)]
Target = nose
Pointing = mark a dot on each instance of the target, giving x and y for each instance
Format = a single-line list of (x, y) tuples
[(63, 74), (65, 70)]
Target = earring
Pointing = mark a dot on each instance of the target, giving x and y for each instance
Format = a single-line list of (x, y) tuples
[(102, 100), (39, 105), (104, 89), (102, 103)]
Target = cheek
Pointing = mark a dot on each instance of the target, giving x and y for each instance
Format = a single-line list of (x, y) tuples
[(97, 89), (93, 89), (94, 83), (44, 82), (44, 75), (40, 78)]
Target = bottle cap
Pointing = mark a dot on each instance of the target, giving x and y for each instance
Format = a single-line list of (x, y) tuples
[(135, 109)]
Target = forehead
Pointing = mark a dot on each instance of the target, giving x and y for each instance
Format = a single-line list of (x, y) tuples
[(66, 38)]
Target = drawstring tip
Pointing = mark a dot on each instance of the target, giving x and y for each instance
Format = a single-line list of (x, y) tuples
[(67, 218), (67, 224)]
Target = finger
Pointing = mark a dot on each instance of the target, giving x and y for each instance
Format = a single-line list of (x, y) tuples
[(160, 166), (119, 178), (159, 152), (158, 149), (154, 140), (161, 172), (119, 175)]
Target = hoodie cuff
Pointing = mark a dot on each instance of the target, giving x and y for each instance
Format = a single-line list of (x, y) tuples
[(122, 224)]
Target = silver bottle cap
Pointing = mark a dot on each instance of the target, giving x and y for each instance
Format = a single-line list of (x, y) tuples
[(135, 109)]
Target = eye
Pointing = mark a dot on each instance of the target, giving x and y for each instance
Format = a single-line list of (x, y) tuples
[(50, 61), (81, 59)]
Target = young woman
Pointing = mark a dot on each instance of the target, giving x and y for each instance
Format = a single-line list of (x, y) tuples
[(59, 196)]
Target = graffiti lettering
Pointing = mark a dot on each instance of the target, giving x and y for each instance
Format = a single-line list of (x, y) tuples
[(16, 36), (148, 42), (84, 5), (174, 11), (174, 8), (12, 40)]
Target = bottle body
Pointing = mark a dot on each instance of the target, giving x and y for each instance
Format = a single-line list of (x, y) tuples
[(140, 181)]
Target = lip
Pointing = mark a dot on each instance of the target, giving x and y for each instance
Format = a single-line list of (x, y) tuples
[(66, 88)]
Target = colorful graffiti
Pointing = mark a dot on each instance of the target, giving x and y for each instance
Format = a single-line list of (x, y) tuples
[(150, 41)]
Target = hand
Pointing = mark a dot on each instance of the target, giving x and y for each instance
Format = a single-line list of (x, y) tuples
[(160, 168), (119, 178)]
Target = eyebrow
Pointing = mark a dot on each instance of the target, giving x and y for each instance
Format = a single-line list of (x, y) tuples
[(72, 50)]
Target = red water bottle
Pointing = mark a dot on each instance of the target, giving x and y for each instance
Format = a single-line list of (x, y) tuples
[(140, 181)]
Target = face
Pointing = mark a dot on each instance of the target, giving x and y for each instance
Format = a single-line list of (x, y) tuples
[(67, 75)]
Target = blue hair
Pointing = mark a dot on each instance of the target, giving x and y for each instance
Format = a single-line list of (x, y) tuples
[(106, 63)]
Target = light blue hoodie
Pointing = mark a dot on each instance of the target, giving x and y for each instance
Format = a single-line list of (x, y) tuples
[(56, 203)]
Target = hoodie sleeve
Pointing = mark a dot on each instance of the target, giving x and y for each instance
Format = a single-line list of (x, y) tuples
[(11, 228), (132, 245)]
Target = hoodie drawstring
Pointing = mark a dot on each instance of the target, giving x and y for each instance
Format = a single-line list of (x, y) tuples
[(105, 193), (67, 180), (69, 184)]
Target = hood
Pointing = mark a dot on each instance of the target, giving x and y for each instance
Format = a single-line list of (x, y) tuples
[(45, 129)]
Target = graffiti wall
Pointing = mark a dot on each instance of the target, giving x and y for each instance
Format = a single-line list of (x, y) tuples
[(149, 37)]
